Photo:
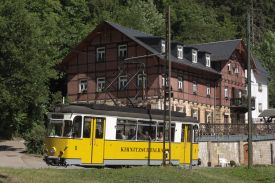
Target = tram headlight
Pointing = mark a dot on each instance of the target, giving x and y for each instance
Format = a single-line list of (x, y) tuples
[(52, 150)]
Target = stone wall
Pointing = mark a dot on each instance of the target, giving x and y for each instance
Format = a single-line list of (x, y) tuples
[(236, 151)]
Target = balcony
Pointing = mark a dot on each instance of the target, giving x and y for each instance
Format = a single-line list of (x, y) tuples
[(241, 104)]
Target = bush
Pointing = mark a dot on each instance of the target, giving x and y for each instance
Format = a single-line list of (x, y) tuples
[(232, 163), (35, 139)]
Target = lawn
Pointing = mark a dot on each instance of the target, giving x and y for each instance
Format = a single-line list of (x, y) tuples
[(139, 174)]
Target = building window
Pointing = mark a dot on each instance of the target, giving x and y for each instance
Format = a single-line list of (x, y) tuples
[(208, 61), (240, 94), (100, 54), (180, 83), (236, 70), (194, 87), (260, 107), (164, 81), (208, 90), (194, 56), (260, 88), (100, 84), (122, 51), (226, 92), (83, 86), (122, 82), (180, 52), (229, 68), (140, 78), (195, 114), (208, 117), (162, 46)]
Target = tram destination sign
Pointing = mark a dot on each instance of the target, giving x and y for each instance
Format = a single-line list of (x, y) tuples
[(140, 149)]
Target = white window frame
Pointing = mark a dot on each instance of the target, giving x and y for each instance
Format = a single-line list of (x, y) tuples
[(180, 83), (163, 46), (260, 107), (195, 114), (122, 51), (236, 70), (83, 86), (260, 87), (100, 84), (180, 52), (194, 87), (208, 61), (240, 94), (122, 81), (139, 80), (163, 81), (100, 54), (208, 117), (194, 56), (226, 92), (208, 90), (229, 67)]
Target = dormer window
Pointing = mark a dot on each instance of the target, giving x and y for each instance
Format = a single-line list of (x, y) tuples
[(162, 46), (194, 56), (208, 62), (180, 52)]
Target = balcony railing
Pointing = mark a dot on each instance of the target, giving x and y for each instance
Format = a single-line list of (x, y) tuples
[(235, 129), (242, 102)]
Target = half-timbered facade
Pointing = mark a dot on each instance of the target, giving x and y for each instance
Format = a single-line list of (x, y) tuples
[(116, 65)]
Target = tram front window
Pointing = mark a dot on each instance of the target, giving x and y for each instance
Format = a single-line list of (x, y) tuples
[(55, 128)]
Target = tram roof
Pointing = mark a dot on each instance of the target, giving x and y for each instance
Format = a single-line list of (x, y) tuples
[(101, 109)]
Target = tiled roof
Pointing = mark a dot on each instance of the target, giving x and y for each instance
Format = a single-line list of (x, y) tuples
[(221, 50), (138, 36), (260, 69)]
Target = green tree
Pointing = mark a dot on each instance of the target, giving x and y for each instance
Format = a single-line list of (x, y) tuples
[(26, 66), (194, 23), (140, 15)]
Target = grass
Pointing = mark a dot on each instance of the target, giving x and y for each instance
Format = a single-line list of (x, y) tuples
[(139, 174)]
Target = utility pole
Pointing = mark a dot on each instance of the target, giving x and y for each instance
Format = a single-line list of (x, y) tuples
[(165, 97), (250, 151), (169, 80)]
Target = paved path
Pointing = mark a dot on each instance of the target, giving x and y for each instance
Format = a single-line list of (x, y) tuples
[(12, 154)]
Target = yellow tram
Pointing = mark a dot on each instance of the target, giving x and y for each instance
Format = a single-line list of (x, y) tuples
[(100, 135)]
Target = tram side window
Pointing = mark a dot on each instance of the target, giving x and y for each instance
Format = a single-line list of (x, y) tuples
[(77, 126), (183, 132), (126, 129), (87, 127), (146, 130), (189, 133), (160, 132), (68, 128), (99, 128), (196, 133)]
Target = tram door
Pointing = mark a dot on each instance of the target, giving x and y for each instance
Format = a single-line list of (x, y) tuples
[(98, 140), (87, 141), (187, 142)]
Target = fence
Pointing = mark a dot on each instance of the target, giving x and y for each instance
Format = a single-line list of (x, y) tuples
[(235, 129)]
